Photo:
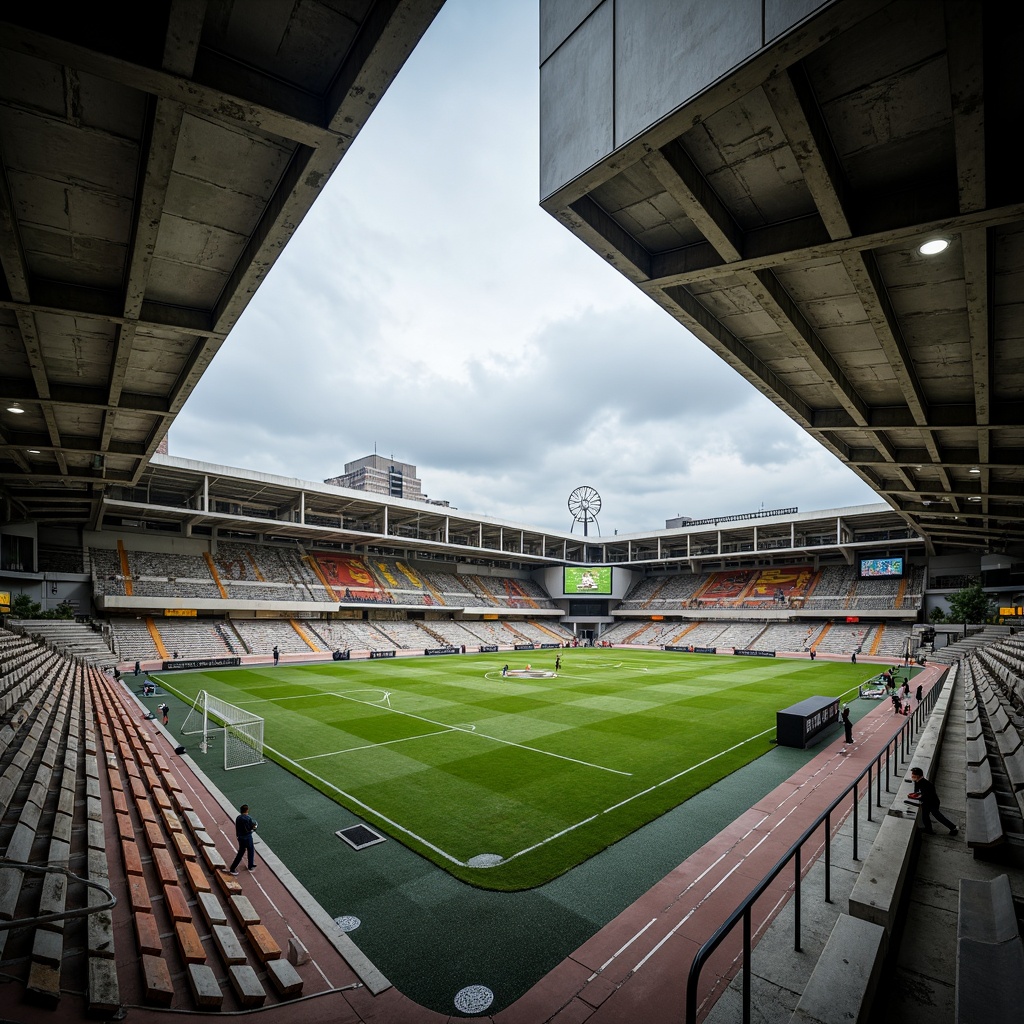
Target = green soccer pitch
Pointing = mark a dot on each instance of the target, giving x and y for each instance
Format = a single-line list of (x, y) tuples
[(508, 782)]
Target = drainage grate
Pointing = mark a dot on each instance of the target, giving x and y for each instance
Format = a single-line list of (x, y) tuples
[(359, 837)]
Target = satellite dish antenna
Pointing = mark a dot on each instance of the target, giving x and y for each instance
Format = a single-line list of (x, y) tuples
[(584, 506)]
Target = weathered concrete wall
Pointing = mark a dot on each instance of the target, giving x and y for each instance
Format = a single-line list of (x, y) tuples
[(612, 68)]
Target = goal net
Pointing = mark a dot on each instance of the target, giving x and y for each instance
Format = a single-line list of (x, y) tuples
[(242, 731)]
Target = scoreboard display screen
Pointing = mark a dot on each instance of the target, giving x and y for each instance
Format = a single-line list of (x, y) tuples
[(587, 580), (880, 568)]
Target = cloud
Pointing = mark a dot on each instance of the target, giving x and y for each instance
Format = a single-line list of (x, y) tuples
[(427, 306)]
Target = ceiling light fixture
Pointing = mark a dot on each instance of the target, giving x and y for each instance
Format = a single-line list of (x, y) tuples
[(973, 497), (974, 469), (33, 451), (933, 246), (15, 408)]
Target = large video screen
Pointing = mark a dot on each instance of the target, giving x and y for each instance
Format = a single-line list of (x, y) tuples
[(589, 580), (875, 568)]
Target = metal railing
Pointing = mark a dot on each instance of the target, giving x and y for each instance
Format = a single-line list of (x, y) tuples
[(898, 747)]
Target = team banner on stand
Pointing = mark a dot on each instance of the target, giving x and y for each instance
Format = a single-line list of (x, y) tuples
[(349, 578), (523, 647), (489, 649), (691, 650), (444, 650), (382, 654), (756, 654)]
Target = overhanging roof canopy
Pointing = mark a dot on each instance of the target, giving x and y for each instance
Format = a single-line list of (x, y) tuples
[(155, 158), (777, 211)]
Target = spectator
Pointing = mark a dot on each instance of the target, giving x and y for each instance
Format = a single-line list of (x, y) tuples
[(929, 803), (245, 825)]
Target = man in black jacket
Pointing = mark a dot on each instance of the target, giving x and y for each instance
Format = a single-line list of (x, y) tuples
[(245, 825), (929, 802)]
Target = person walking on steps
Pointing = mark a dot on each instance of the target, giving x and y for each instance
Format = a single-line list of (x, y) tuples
[(245, 825), (929, 803)]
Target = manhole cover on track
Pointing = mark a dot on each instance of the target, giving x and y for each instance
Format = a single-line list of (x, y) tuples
[(473, 999)]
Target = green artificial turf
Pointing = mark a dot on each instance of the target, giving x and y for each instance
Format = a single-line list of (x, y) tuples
[(456, 762)]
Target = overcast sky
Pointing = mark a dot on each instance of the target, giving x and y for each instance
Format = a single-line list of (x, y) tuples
[(428, 306)]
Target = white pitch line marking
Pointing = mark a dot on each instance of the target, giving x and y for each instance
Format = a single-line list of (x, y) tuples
[(371, 746), (496, 739)]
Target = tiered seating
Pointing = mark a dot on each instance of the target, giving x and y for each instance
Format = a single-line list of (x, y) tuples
[(740, 635), (133, 640), (1004, 665), (984, 638), (405, 635), (51, 832), (913, 594), (543, 633), (261, 636), (162, 574), (455, 633), (259, 573), (664, 592), (845, 638), (989, 952), (76, 639), (193, 639), (833, 588), (789, 636), (449, 586), (107, 577), (893, 642), (193, 925), (995, 765), (404, 584), (350, 634), (878, 592)]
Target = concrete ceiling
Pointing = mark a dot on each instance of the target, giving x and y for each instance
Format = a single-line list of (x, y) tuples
[(155, 158), (778, 217)]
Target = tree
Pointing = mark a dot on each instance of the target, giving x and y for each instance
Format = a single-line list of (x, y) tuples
[(969, 605), (937, 615), (23, 607)]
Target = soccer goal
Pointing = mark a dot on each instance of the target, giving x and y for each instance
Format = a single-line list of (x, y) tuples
[(211, 717)]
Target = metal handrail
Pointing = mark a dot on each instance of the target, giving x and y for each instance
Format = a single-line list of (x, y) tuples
[(901, 740)]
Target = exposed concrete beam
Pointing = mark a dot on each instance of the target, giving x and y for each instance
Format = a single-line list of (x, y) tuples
[(700, 322), (608, 239), (955, 458), (300, 185), (683, 181), (775, 301), (24, 390), (893, 417), (794, 104), (375, 57), (107, 306), (71, 443), (274, 107), (73, 476), (869, 285), (975, 246), (965, 60), (805, 239)]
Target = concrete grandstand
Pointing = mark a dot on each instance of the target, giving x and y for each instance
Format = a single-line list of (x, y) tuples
[(111, 895)]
